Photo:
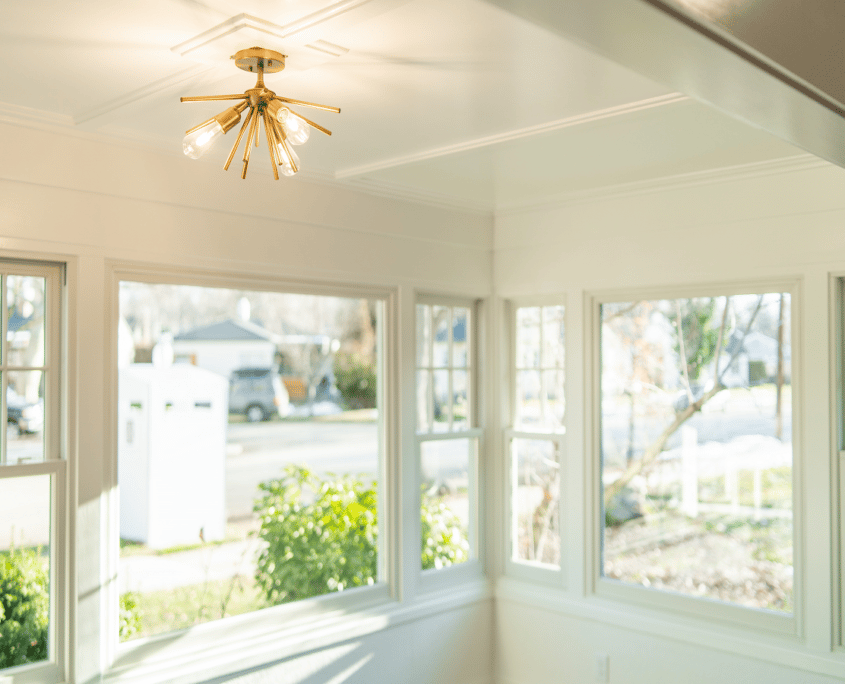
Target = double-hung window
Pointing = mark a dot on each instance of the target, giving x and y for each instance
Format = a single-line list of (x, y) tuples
[(33, 475), (447, 431), (536, 441), (696, 495)]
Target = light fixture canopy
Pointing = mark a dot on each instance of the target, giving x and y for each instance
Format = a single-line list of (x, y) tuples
[(282, 126)]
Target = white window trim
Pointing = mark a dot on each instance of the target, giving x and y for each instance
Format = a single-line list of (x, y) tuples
[(659, 601), (519, 569), (438, 579), (56, 464), (249, 640)]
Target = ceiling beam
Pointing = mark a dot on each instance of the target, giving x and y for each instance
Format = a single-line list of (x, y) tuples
[(660, 42)]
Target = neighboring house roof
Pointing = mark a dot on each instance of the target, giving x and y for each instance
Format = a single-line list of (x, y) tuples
[(229, 330)]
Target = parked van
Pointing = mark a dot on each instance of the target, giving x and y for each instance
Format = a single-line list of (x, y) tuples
[(258, 394)]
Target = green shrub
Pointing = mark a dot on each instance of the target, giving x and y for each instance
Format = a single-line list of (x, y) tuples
[(356, 381), (321, 535), (444, 541), (315, 547), (129, 616), (24, 608)]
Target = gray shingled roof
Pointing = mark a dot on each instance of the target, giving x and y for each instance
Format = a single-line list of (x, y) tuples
[(228, 330)]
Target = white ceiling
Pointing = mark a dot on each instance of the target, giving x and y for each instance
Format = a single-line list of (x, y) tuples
[(453, 101)]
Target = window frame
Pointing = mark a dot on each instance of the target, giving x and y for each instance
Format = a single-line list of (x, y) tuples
[(435, 579), (652, 600), (251, 639), (55, 464), (530, 571)]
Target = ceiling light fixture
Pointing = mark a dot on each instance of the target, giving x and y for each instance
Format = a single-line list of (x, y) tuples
[(283, 128)]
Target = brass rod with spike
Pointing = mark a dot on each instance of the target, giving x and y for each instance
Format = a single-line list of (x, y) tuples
[(269, 135), (208, 98), (238, 141), (315, 125), (248, 147), (290, 156), (274, 127), (198, 126), (336, 110)]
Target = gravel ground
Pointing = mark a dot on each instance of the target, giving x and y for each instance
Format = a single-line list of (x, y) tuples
[(728, 559)]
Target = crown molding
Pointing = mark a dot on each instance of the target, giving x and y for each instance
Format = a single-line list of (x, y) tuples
[(141, 93), (548, 127), (399, 192), (729, 174)]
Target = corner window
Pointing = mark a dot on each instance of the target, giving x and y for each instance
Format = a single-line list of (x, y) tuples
[(696, 409), (33, 501), (447, 433), (536, 441), (249, 451)]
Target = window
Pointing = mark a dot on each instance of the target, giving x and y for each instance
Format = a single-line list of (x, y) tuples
[(249, 451), (33, 508), (447, 432), (696, 447), (536, 441)]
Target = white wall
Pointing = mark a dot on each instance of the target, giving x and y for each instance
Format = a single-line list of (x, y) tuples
[(784, 222), (80, 199)]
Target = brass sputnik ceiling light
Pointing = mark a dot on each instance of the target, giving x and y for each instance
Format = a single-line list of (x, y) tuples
[(283, 128)]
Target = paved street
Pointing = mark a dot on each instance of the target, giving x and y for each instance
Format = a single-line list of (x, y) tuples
[(259, 451)]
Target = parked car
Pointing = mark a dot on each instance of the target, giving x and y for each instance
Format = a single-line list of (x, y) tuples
[(258, 394), (26, 415)]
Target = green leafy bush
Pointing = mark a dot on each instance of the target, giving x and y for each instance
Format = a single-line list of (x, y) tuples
[(24, 608), (129, 616), (315, 547), (321, 535), (356, 381), (444, 541)]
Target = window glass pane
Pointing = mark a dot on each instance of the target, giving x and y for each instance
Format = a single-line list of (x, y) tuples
[(423, 402), (247, 451), (460, 332), (460, 402), (445, 468), (24, 569), (528, 337), (25, 417), (536, 501), (26, 324), (423, 336), (553, 337), (442, 405), (555, 403), (440, 323), (528, 404), (697, 447)]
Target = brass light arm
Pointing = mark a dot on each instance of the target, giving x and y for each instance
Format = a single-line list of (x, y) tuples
[(290, 156), (207, 98), (315, 125), (269, 135), (274, 128), (336, 110), (248, 148), (198, 126), (238, 141)]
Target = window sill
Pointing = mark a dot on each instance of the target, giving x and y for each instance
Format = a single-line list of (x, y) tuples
[(782, 649), (248, 641)]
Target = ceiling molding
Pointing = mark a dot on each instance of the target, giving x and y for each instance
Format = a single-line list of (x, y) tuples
[(730, 174), (398, 192), (549, 127), (146, 91), (15, 114)]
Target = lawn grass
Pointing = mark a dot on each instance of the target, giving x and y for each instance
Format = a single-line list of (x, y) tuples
[(169, 610)]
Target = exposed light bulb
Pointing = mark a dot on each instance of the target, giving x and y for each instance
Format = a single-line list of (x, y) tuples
[(296, 128), (286, 167), (198, 142)]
